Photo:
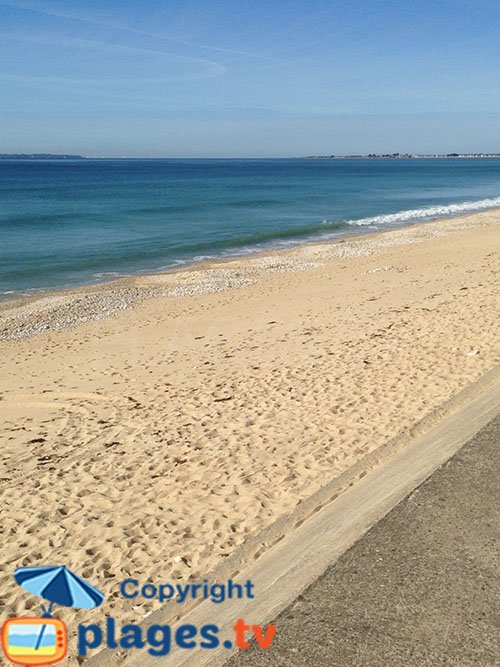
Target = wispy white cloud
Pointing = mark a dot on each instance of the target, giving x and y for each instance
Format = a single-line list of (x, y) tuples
[(205, 68), (92, 20), (86, 81)]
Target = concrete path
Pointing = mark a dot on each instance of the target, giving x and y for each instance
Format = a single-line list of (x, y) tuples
[(420, 589)]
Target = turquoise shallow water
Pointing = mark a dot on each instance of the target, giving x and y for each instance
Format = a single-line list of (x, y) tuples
[(67, 223)]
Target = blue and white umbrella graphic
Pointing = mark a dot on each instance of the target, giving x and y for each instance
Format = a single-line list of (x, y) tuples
[(58, 585)]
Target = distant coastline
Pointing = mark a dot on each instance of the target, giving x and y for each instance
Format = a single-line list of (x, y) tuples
[(402, 156), (39, 156), (367, 156)]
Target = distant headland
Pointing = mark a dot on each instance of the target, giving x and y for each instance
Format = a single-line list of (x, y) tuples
[(401, 156), (39, 156)]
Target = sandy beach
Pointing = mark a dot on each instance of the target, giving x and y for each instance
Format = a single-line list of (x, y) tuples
[(151, 425)]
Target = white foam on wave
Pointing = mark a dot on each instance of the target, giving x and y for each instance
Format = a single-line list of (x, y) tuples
[(108, 274), (428, 212)]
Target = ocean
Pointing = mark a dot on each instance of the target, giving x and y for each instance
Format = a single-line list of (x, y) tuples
[(74, 222)]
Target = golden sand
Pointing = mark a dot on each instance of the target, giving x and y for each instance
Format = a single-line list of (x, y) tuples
[(193, 409)]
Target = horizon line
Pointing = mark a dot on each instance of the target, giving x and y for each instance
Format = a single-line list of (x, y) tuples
[(312, 156)]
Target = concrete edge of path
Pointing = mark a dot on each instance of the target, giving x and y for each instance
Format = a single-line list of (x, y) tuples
[(282, 564)]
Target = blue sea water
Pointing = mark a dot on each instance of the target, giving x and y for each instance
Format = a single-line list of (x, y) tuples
[(30, 636), (66, 223)]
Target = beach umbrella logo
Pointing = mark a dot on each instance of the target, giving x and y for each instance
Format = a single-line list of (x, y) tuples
[(44, 641), (60, 586)]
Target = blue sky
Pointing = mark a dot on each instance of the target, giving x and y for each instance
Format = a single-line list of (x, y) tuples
[(249, 78)]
